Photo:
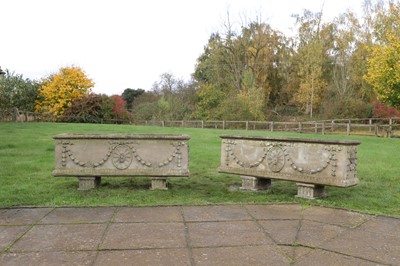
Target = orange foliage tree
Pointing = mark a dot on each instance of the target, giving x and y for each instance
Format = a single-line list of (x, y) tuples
[(59, 90)]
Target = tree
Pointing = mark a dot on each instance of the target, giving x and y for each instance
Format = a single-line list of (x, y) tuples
[(384, 71), (129, 96), (60, 90), (311, 61), (119, 105), (90, 108), (16, 91)]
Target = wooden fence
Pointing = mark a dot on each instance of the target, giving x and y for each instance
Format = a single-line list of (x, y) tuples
[(380, 127)]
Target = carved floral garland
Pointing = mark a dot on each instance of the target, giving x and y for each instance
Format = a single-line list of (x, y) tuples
[(277, 154), (122, 155)]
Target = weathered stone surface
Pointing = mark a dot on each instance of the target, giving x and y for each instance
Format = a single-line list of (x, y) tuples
[(335, 216), (209, 234), (306, 161), (262, 234), (310, 191), (69, 237), (145, 235), (22, 216), (254, 184), (280, 211), (149, 214), (175, 257), (245, 255), (319, 257), (89, 157), (215, 213), (159, 183), (62, 258), (79, 215), (375, 247), (8, 234), (313, 234), (283, 232)]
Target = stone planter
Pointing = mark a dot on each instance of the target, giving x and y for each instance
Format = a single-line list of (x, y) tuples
[(311, 163), (89, 157)]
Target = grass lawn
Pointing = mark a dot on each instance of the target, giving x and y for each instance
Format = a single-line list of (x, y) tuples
[(27, 160)]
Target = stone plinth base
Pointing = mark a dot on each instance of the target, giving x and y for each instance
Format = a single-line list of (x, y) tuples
[(254, 184), (89, 182), (159, 183), (310, 191)]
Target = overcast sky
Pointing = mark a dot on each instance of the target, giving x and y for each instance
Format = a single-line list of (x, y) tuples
[(125, 43)]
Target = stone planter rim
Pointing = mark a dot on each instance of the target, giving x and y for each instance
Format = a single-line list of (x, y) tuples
[(291, 139)]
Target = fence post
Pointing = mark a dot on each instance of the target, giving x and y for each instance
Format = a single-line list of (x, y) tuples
[(300, 127), (202, 123), (316, 127), (376, 130), (271, 126), (223, 124), (182, 123), (333, 126), (348, 128), (323, 128), (247, 125), (162, 123), (370, 123), (390, 128)]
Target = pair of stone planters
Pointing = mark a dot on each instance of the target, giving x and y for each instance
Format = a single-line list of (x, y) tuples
[(311, 163)]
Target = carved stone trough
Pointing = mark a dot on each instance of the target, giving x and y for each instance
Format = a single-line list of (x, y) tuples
[(312, 163), (89, 157)]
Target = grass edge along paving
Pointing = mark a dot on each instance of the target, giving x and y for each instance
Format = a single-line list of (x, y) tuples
[(27, 160)]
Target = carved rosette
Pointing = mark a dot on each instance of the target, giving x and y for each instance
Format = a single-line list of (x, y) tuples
[(122, 156), (276, 158)]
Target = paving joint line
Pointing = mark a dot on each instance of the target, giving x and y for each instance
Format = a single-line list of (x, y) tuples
[(187, 238), (29, 227)]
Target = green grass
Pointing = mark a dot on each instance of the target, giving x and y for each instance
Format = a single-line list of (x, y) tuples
[(27, 160)]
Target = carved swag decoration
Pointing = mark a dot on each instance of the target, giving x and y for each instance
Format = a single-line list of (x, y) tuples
[(277, 155), (121, 155)]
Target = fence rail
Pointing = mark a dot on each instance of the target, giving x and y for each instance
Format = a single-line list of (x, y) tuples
[(380, 127)]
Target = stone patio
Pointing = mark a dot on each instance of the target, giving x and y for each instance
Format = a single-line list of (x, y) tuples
[(278, 234)]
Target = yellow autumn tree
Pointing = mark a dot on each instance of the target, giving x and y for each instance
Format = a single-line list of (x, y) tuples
[(59, 90), (384, 70)]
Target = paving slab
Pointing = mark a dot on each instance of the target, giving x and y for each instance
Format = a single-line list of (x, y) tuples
[(245, 255), (375, 247), (8, 234), (296, 252), (80, 258), (335, 216), (149, 214), (279, 211), (144, 235), (242, 234), (237, 233), (173, 257), (283, 232), (323, 257), (382, 225), (215, 213), (22, 216), (313, 234), (79, 215), (66, 237)]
